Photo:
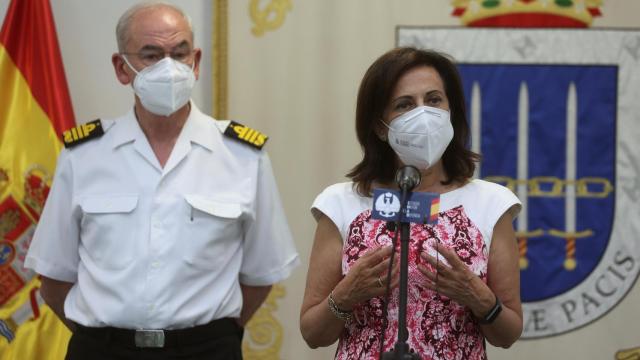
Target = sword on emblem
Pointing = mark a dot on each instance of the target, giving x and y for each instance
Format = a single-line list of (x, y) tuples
[(476, 123), (569, 234), (522, 189)]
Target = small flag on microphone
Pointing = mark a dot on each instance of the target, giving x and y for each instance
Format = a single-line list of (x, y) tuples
[(422, 207), (435, 210)]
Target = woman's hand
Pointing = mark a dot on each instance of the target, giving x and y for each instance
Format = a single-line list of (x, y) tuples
[(366, 279), (453, 279)]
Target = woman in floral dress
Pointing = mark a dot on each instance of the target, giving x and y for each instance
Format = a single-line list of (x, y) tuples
[(464, 284)]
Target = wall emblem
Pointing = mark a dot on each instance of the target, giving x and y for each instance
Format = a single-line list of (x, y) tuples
[(552, 121)]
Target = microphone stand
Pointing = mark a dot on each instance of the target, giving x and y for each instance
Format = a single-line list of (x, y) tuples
[(401, 350)]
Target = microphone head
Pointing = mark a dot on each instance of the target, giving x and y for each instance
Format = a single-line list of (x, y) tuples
[(408, 177)]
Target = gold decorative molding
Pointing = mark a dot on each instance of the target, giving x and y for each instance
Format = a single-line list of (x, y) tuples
[(263, 333), (270, 17), (220, 38), (629, 354)]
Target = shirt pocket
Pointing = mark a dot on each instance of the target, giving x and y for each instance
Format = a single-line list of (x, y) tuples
[(214, 231), (106, 236)]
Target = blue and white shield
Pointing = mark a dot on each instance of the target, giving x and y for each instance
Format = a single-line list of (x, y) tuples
[(548, 133)]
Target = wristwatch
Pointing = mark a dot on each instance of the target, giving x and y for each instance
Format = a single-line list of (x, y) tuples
[(492, 314)]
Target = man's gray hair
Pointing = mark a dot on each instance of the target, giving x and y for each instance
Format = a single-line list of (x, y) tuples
[(124, 23)]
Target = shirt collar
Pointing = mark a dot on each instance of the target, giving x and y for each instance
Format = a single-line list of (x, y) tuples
[(126, 129), (195, 129)]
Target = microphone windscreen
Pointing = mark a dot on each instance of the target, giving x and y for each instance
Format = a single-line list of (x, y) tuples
[(408, 177)]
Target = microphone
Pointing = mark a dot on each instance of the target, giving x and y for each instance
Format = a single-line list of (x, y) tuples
[(407, 178)]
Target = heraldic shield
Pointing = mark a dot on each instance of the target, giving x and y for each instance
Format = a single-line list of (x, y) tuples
[(554, 115), (548, 132)]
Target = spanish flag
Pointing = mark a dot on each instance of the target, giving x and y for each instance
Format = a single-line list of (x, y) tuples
[(35, 108)]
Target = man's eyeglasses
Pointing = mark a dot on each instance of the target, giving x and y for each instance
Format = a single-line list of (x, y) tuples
[(149, 58)]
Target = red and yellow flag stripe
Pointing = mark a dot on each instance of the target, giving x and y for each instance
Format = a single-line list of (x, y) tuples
[(35, 109)]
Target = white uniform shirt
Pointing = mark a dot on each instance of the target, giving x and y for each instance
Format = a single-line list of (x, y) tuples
[(161, 248)]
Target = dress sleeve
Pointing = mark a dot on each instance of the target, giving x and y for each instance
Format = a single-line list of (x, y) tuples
[(269, 254), (329, 202), (500, 200), (54, 248), (507, 201)]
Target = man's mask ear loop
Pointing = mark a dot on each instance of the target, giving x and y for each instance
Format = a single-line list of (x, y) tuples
[(124, 57)]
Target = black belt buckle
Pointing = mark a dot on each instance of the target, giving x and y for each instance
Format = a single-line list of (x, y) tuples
[(149, 338)]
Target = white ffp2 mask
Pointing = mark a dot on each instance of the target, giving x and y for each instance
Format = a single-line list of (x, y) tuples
[(420, 136), (165, 86)]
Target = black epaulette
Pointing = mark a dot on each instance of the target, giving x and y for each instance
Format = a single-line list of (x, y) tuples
[(82, 133), (246, 134)]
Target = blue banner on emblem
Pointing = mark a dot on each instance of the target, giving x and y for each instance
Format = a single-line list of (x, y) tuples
[(422, 207), (548, 133)]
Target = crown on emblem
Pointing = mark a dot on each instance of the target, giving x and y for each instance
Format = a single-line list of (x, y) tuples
[(36, 189), (527, 13)]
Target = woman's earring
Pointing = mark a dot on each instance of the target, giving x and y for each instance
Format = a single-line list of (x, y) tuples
[(383, 137)]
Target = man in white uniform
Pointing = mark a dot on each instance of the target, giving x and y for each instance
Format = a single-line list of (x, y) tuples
[(163, 231)]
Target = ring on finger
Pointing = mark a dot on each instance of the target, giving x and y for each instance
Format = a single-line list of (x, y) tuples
[(380, 282)]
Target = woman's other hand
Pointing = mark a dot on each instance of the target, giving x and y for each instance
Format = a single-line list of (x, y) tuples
[(452, 278), (367, 278)]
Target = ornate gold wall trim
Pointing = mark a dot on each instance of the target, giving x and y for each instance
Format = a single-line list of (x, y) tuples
[(264, 333), (628, 354), (220, 56), (270, 17)]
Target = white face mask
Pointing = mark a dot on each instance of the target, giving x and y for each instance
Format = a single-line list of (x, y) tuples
[(420, 136), (165, 86)]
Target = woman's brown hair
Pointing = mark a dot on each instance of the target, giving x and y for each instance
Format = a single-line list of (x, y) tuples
[(379, 162)]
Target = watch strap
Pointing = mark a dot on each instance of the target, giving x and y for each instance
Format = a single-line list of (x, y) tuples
[(492, 314)]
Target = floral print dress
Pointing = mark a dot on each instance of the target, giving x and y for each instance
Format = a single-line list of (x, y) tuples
[(438, 327)]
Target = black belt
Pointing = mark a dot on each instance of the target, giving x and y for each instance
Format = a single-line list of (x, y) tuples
[(164, 338)]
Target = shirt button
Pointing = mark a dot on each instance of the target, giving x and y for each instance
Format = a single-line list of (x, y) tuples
[(155, 264)]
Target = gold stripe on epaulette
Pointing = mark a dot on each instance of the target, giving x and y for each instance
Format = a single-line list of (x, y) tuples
[(82, 133), (246, 134)]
